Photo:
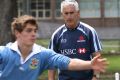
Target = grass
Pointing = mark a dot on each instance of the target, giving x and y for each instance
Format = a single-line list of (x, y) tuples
[(44, 76), (108, 42), (111, 46), (43, 42), (114, 65)]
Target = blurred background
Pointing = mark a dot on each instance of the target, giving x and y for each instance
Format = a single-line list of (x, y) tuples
[(103, 15)]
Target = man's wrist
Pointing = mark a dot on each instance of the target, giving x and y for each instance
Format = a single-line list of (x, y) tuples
[(96, 75)]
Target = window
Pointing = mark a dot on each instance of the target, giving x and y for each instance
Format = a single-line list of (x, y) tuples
[(40, 8), (58, 10), (90, 8), (33, 13), (20, 11), (112, 8)]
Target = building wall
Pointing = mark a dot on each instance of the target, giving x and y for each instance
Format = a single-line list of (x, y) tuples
[(46, 29)]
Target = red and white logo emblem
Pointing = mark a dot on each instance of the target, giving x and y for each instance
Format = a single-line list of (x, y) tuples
[(81, 39), (82, 50)]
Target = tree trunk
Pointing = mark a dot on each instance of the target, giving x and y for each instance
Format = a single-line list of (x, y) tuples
[(8, 10)]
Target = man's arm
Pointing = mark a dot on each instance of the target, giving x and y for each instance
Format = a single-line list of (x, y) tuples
[(96, 73), (51, 74)]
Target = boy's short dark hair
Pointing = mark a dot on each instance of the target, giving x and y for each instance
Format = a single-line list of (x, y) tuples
[(20, 23)]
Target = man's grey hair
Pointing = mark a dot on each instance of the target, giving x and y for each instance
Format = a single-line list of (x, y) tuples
[(69, 2)]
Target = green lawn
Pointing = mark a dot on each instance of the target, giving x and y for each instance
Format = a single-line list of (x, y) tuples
[(114, 63), (43, 42), (111, 46)]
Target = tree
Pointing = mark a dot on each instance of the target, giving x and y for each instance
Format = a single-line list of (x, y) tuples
[(8, 10)]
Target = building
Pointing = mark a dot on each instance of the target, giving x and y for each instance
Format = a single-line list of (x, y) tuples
[(98, 13)]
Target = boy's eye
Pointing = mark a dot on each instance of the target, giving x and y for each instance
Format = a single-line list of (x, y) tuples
[(30, 30)]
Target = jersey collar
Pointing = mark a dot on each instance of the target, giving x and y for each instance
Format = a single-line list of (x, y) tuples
[(72, 28), (35, 50)]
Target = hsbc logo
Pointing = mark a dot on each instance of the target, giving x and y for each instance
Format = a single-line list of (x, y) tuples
[(81, 50), (68, 51)]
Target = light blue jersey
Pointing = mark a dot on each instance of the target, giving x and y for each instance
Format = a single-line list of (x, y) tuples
[(13, 67)]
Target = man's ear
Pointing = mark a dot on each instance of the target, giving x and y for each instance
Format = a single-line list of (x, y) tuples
[(78, 13)]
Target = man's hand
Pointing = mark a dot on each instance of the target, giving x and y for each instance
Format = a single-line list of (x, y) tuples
[(99, 64)]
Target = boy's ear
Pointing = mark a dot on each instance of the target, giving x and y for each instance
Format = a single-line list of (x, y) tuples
[(16, 33)]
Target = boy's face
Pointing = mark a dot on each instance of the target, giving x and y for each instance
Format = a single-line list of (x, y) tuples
[(27, 36)]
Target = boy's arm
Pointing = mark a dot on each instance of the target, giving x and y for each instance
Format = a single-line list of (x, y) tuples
[(97, 63)]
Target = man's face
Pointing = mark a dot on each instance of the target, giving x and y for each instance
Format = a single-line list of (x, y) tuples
[(27, 36), (71, 16)]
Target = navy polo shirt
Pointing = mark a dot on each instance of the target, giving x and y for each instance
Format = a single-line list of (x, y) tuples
[(79, 43)]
